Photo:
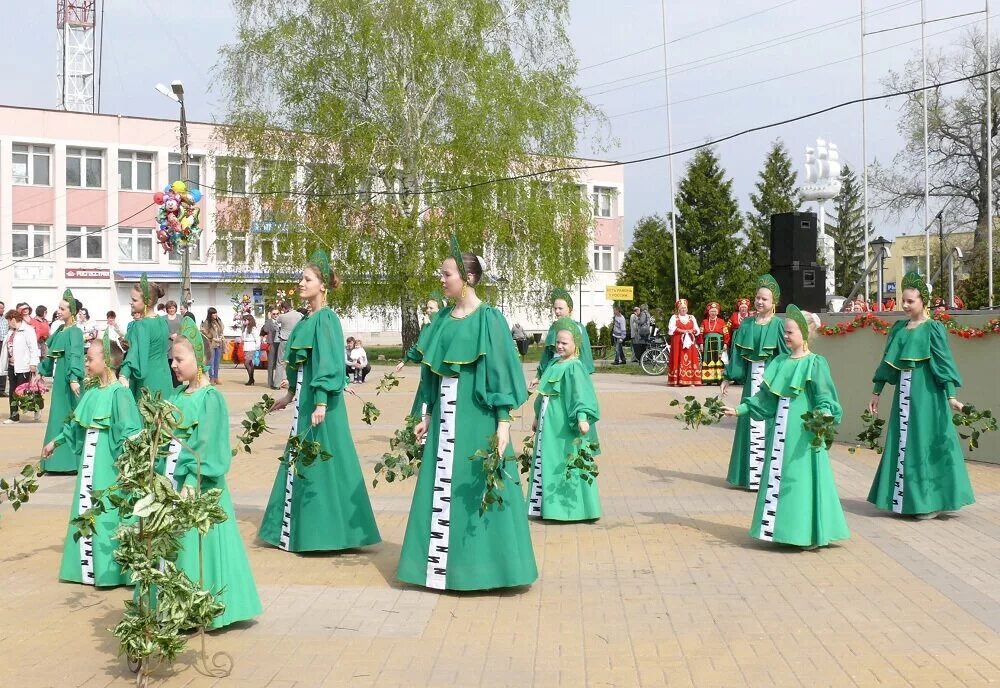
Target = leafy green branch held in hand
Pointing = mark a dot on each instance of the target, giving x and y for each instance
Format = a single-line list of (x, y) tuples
[(254, 425), (696, 414), (822, 426), (493, 473), (583, 460), (871, 434), (527, 455), (18, 490), (976, 421), (404, 456), (304, 452)]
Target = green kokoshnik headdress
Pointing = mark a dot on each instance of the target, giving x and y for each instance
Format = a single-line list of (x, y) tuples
[(560, 293), (456, 253), (321, 259), (795, 313), (73, 304), (190, 332), (144, 288), (768, 282), (913, 280), (571, 326), (437, 297)]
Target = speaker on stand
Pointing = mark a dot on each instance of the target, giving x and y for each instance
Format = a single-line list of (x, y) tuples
[(794, 261)]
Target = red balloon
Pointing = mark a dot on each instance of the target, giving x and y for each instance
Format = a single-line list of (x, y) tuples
[(158, 197)]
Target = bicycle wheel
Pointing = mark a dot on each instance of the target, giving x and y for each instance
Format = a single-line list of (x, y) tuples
[(654, 361)]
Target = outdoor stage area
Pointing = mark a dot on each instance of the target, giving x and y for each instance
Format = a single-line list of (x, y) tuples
[(667, 589)]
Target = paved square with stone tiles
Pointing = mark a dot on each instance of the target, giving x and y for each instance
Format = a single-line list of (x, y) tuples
[(667, 589)]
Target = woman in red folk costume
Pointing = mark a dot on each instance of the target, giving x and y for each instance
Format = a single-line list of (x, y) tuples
[(685, 361), (714, 341), (742, 311)]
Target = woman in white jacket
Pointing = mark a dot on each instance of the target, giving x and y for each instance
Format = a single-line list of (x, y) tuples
[(19, 355)]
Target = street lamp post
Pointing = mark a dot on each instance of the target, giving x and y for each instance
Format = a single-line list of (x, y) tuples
[(881, 246), (176, 94)]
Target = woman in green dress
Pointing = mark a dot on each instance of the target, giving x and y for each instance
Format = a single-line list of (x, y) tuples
[(562, 307), (95, 434), (64, 363), (566, 411), (922, 471), (145, 365), (798, 504), (198, 459), (433, 306), (471, 380), (323, 506), (756, 342)]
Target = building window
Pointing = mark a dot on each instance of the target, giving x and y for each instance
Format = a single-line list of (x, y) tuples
[(603, 258), (231, 248), (135, 244), (912, 264), (135, 171), (603, 199), (194, 251), (31, 164), (85, 167), (231, 176), (268, 250), (30, 241), (85, 243), (193, 176)]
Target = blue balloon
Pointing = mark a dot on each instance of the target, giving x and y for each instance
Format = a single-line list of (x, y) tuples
[(167, 189), (195, 195)]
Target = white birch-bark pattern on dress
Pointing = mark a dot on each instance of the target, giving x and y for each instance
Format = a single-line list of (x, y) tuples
[(170, 468), (769, 515), (286, 517), (86, 485), (904, 422), (437, 546), (535, 491), (758, 431)]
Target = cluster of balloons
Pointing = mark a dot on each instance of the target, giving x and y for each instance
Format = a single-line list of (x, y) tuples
[(178, 216), (241, 307)]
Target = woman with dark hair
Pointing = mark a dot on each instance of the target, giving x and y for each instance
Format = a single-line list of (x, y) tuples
[(20, 355), (64, 363), (471, 380), (145, 365), (173, 327), (250, 345), (213, 329), (323, 506)]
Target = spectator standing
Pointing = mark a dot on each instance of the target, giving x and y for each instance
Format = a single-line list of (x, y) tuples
[(251, 346), (287, 322), (359, 361), (19, 355), (618, 332), (644, 328), (633, 331), (87, 326), (173, 327), (270, 334), (520, 339), (213, 329), (4, 327)]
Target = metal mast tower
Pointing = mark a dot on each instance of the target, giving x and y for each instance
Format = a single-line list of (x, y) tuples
[(76, 22)]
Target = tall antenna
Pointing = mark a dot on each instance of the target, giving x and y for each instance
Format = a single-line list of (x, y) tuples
[(76, 22)]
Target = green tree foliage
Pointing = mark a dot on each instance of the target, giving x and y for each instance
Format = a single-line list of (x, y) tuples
[(709, 227), (648, 264), (975, 289), (849, 233), (777, 192), (398, 114)]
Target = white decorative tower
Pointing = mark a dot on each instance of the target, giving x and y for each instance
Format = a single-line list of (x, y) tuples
[(76, 24), (823, 184)]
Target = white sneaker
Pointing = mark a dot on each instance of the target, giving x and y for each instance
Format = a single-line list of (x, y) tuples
[(928, 516), (38, 416), (9, 422)]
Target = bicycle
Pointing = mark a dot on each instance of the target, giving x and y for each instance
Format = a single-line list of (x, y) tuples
[(655, 359)]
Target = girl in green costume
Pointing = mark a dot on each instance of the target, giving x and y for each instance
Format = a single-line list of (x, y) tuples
[(471, 379), (922, 470), (434, 305), (145, 364), (64, 363), (324, 506), (565, 410), (562, 307), (756, 342), (798, 503), (95, 434), (198, 459)]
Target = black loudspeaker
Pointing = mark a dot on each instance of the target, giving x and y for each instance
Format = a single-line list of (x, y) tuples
[(793, 239), (803, 284)]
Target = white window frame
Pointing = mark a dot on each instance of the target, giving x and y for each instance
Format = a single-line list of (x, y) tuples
[(917, 266), (228, 241), (134, 235), (174, 168), (224, 167), (600, 252), (82, 235), (134, 160), (84, 155), (31, 151), (603, 201), (32, 251)]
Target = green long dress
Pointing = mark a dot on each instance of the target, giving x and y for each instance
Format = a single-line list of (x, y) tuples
[(204, 430), (145, 364), (471, 379), (565, 398), (326, 506), (922, 467), (414, 354), (64, 364), (549, 352), (798, 503), (753, 346), (96, 433)]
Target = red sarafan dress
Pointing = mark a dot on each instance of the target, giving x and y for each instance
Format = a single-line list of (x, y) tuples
[(685, 361)]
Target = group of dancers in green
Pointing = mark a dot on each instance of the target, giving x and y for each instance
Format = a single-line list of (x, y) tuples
[(922, 471), (471, 385)]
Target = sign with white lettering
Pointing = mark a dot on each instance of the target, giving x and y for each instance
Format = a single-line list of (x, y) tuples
[(88, 273)]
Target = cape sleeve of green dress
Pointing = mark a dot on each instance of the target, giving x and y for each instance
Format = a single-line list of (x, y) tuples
[(885, 373), (46, 366), (126, 421), (736, 369), (72, 434), (329, 362), (942, 363), (824, 393), (499, 381), (73, 355), (136, 361), (208, 441), (578, 396)]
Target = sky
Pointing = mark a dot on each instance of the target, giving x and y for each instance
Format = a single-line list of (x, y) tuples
[(734, 65)]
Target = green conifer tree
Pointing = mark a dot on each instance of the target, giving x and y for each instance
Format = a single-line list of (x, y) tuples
[(777, 192), (648, 263), (848, 234)]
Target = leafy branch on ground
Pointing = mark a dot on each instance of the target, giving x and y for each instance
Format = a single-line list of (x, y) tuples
[(254, 425), (976, 421), (696, 414), (404, 456)]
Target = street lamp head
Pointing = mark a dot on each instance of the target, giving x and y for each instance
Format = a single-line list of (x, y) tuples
[(178, 88), (881, 245), (168, 93)]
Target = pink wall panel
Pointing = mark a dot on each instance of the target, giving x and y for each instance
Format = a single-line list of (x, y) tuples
[(130, 203), (34, 205), (87, 207), (607, 231)]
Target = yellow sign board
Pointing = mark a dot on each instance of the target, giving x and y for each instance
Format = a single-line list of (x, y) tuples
[(617, 292)]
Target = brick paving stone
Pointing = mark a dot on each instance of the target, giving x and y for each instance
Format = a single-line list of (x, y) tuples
[(667, 589)]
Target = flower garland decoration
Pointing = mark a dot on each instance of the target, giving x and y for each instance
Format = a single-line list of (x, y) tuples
[(179, 217), (881, 326), (992, 327)]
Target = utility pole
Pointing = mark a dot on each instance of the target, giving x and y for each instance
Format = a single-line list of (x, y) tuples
[(176, 94)]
